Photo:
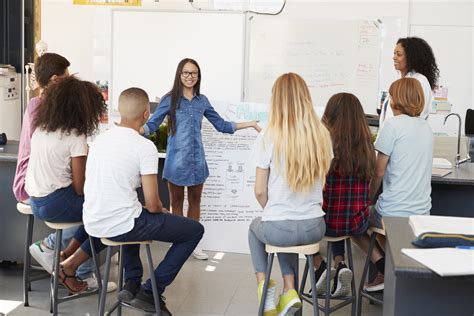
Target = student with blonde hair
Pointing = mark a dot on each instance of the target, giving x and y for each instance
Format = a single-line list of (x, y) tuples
[(404, 160), (293, 156)]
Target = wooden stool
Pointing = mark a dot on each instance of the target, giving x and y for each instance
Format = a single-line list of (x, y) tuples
[(372, 231), (55, 300), (308, 251), (25, 209), (118, 304), (327, 296)]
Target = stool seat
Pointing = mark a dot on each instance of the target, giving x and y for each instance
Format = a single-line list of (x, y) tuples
[(377, 230), (109, 242), (24, 208), (310, 249), (62, 225), (335, 239)]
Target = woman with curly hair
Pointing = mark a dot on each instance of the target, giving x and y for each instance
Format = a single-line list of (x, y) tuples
[(414, 58), (69, 112)]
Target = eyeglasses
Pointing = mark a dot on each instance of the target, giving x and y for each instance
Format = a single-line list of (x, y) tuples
[(193, 74)]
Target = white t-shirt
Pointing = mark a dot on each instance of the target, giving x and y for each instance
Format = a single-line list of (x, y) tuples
[(117, 160), (387, 111), (283, 203), (49, 168), (407, 180)]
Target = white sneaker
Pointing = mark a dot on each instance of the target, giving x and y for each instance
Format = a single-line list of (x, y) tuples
[(92, 284), (199, 254), (43, 255)]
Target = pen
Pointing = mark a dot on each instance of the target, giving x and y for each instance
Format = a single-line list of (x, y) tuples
[(465, 247)]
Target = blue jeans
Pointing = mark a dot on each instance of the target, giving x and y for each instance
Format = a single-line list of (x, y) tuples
[(184, 233), (284, 233), (64, 205)]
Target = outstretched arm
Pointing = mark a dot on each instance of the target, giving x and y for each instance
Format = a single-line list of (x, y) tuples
[(253, 124)]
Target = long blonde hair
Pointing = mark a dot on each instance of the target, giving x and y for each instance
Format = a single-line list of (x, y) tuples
[(299, 137)]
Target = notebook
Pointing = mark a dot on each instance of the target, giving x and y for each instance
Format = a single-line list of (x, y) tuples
[(444, 261), (442, 163), (441, 224)]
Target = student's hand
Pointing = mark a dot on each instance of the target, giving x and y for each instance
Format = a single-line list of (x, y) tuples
[(256, 126), (165, 210)]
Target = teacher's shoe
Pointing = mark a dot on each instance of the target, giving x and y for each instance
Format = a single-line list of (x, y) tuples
[(377, 284), (199, 254), (289, 303), (269, 309)]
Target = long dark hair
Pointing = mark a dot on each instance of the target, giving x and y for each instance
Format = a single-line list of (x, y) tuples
[(70, 104), (354, 152), (420, 58), (177, 91)]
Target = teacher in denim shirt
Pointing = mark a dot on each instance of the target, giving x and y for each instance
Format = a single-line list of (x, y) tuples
[(186, 165)]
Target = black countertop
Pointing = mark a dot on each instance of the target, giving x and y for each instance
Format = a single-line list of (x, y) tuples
[(9, 152), (464, 175), (399, 236)]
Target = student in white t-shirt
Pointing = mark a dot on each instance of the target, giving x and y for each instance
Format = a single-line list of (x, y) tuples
[(70, 111), (293, 156), (120, 160), (404, 160)]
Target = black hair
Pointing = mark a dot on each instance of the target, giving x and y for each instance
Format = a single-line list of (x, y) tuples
[(420, 58)]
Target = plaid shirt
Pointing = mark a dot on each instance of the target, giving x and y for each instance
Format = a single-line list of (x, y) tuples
[(346, 203)]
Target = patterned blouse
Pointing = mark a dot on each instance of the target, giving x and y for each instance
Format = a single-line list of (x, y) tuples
[(346, 203)]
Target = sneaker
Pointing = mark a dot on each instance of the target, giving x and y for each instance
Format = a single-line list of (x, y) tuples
[(199, 254), (43, 255), (376, 285), (92, 284), (129, 290), (269, 309), (144, 301), (342, 281), (289, 303), (321, 277)]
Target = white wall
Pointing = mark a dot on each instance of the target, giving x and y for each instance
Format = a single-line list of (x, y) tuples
[(82, 34)]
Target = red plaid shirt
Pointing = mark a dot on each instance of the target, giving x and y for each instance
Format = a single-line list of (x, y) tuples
[(346, 203)]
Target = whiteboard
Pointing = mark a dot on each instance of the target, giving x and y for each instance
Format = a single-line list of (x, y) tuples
[(148, 45), (331, 55)]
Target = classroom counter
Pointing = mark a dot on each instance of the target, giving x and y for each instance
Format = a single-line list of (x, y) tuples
[(453, 194), (413, 289), (12, 223)]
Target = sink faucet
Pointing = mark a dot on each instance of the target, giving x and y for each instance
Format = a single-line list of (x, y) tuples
[(458, 159)]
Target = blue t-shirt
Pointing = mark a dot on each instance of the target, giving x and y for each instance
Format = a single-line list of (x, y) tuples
[(185, 163), (407, 180)]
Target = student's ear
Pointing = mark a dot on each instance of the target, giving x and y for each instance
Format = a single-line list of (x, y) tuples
[(146, 115)]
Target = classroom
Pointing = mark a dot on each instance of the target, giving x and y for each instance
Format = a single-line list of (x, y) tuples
[(338, 137)]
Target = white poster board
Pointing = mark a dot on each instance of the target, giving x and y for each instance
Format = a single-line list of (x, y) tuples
[(331, 55), (228, 203), (148, 45)]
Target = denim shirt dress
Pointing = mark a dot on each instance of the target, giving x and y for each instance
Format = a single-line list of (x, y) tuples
[(185, 163)]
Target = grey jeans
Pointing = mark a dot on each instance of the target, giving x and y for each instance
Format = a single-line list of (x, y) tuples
[(285, 233)]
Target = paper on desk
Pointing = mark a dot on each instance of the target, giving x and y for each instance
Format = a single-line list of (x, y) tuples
[(442, 163), (441, 224), (444, 261)]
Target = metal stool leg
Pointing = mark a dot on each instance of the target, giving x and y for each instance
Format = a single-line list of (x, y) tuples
[(297, 273), (103, 293), (120, 278), (95, 259), (351, 266), (154, 286), (364, 273), (314, 292), (265, 283), (327, 301), (55, 276), (27, 259)]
